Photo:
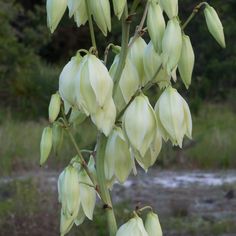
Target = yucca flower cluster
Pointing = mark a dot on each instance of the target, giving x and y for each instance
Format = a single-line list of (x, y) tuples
[(132, 128)]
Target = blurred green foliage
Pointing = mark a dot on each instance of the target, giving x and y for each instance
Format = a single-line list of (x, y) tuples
[(31, 59)]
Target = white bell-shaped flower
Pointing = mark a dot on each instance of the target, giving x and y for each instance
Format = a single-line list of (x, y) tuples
[(77, 8), (214, 25), (152, 153), (101, 12), (119, 7), (135, 54), (94, 96), (170, 7), (134, 227), (87, 194), (152, 225), (128, 83), (117, 156), (171, 45), (174, 116), (66, 223), (139, 124), (55, 11), (69, 191), (186, 61), (67, 79), (154, 71), (156, 25)]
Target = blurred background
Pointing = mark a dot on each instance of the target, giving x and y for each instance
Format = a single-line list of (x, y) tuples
[(193, 189)]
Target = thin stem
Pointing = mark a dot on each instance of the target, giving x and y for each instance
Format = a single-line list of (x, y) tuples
[(195, 11), (91, 29), (139, 29), (124, 46), (101, 145), (144, 208)]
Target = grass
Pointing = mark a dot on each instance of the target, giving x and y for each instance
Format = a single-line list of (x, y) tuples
[(213, 144)]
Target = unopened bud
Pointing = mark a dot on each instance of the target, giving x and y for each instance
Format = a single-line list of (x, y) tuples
[(55, 11), (214, 25), (152, 225), (54, 107), (45, 145), (135, 54), (171, 48), (186, 61), (156, 25), (57, 137)]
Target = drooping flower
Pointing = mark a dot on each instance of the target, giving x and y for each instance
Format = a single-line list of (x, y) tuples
[(170, 7), (139, 124), (118, 160), (55, 11), (119, 7), (174, 116), (101, 12)]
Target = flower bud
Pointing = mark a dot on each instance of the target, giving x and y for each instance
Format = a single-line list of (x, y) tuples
[(87, 194), (119, 7), (139, 124), (57, 137), (69, 191), (77, 117), (45, 145), (170, 7), (171, 48), (152, 225), (214, 25), (67, 88), (134, 227), (152, 62), (54, 107), (128, 83), (135, 54), (174, 116), (55, 11), (156, 25), (186, 61), (94, 96), (117, 156), (101, 12)]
